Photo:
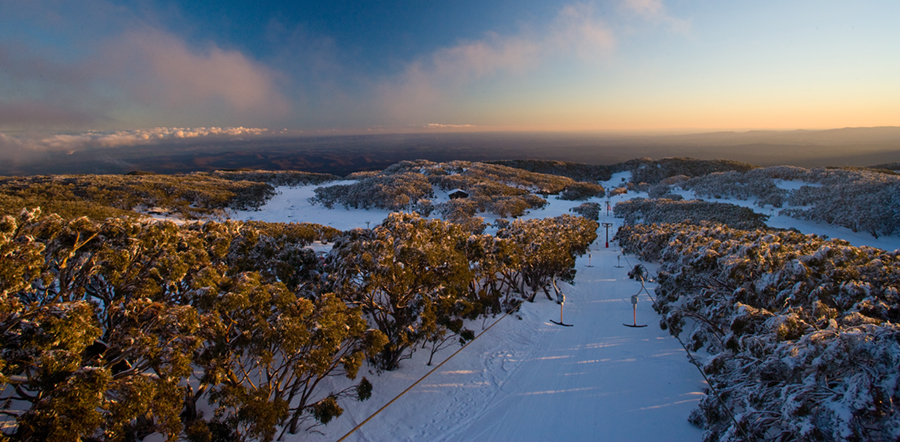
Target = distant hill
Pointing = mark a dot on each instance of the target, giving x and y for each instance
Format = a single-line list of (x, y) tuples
[(888, 166)]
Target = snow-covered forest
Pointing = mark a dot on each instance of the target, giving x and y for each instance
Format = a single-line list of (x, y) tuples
[(192, 307), (801, 331), (858, 199)]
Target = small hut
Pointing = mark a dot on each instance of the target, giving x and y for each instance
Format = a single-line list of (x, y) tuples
[(458, 193)]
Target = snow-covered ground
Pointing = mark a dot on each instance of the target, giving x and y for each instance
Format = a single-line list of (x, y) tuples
[(527, 378)]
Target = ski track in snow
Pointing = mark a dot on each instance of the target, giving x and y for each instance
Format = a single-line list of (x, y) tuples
[(529, 379)]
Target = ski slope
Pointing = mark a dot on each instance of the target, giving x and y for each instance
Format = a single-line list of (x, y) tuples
[(527, 379), (530, 379)]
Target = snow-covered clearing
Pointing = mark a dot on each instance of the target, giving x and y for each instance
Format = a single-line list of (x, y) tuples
[(527, 378)]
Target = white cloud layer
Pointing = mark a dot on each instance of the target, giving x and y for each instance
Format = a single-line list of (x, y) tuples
[(24, 147)]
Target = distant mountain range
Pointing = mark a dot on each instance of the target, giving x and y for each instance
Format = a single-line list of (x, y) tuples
[(342, 155)]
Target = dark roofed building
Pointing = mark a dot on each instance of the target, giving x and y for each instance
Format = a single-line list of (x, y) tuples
[(458, 193)]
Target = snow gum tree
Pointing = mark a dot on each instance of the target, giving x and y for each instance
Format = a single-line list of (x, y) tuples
[(493, 260), (103, 324), (267, 351), (393, 271), (90, 352), (589, 210), (548, 248)]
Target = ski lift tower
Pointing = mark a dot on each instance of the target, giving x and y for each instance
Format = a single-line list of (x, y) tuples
[(607, 225)]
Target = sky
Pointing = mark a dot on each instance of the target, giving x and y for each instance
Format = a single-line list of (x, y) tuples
[(145, 68)]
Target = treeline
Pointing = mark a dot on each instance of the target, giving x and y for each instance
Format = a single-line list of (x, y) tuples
[(117, 329), (646, 170), (507, 189), (577, 171), (191, 196), (643, 170), (400, 191), (504, 191), (288, 178), (666, 211), (891, 167), (859, 199), (802, 332)]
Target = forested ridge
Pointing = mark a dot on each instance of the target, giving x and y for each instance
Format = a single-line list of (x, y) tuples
[(501, 190), (189, 196)]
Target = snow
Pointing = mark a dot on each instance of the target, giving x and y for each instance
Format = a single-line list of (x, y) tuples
[(291, 204), (527, 378)]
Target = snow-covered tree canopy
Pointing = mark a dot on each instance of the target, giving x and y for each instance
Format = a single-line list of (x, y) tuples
[(802, 332), (504, 191), (651, 211), (646, 170), (589, 210), (117, 329), (862, 200), (191, 196)]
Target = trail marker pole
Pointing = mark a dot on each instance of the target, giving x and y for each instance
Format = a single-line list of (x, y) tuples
[(634, 324), (561, 298), (607, 225), (561, 317)]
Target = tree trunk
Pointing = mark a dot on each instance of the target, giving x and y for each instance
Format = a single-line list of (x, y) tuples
[(547, 293)]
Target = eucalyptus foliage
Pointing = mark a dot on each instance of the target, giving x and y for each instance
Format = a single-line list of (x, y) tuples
[(117, 329)]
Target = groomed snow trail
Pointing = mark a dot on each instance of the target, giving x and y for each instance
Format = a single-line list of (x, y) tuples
[(597, 380), (530, 379)]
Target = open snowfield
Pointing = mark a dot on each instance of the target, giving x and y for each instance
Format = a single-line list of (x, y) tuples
[(527, 378)]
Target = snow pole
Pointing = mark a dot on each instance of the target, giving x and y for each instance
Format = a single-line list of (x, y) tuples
[(561, 299), (634, 324), (561, 317)]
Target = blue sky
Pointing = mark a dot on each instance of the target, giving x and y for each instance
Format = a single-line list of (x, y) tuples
[(418, 65)]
